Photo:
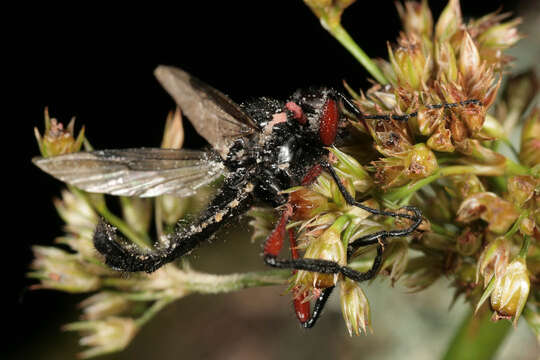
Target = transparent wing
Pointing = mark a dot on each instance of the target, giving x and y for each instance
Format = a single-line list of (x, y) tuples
[(140, 172), (215, 117)]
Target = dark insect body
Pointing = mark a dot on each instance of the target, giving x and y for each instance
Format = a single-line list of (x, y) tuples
[(260, 148)]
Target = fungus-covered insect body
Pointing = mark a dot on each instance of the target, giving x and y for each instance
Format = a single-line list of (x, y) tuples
[(260, 148)]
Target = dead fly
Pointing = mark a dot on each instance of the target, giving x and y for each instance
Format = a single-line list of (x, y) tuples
[(260, 149)]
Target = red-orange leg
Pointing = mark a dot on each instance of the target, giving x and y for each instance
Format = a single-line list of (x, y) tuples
[(301, 306), (274, 242)]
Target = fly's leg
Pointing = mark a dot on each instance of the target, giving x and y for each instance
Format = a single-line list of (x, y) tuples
[(380, 236), (272, 247), (234, 198), (318, 307), (403, 117), (377, 237), (301, 306), (274, 243)]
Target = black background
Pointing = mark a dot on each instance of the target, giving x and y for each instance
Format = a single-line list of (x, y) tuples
[(96, 63)]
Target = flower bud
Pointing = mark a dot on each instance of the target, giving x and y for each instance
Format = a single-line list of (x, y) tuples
[(390, 172), (467, 185), (396, 257), (328, 246), (307, 203), (328, 11), (56, 140), (511, 291), (60, 270), (104, 304), (137, 212), (446, 61), (173, 136), (416, 18), (429, 119), (449, 21), (473, 116), (493, 260), (521, 189), (530, 139), (469, 58), (355, 307), (498, 213), (420, 162), (527, 226), (350, 167), (75, 211), (500, 36), (104, 336), (262, 222), (317, 225), (441, 140), (468, 242), (411, 65)]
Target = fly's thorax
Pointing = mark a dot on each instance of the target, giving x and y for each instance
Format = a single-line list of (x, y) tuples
[(241, 155)]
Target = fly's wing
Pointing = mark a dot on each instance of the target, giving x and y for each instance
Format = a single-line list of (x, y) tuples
[(215, 117), (140, 172)]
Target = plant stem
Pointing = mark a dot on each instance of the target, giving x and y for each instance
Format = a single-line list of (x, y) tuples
[(153, 310), (211, 284), (348, 43), (141, 240), (511, 168), (214, 284), (203, 283), (477, 337)]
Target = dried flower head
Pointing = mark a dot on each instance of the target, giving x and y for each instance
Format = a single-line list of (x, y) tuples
[(511, 291), (56, 140)]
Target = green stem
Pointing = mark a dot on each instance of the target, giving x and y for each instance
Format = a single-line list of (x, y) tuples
[(214, 284), (141, 240), (193, 281), (515, 226), (511, 168), (341, 35), (153, 310), (524, 247), (477, 338)]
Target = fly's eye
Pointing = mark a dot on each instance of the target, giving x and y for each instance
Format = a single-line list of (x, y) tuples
[(329, 121)]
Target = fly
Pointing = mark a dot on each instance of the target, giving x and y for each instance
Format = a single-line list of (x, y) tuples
[(259, 149)]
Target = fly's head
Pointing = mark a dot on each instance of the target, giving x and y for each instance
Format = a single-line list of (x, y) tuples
[(319, 110)]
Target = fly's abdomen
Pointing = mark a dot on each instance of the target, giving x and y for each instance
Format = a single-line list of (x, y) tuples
[(233, 199)]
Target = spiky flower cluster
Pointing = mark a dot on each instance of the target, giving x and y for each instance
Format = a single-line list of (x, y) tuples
[(480, 206), (118, 305)]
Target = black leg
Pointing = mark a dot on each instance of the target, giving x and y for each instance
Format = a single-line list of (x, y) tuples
[(317, 308), (405, 117), (380, 235), (326, 266), (274, 243), (234, 198)]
